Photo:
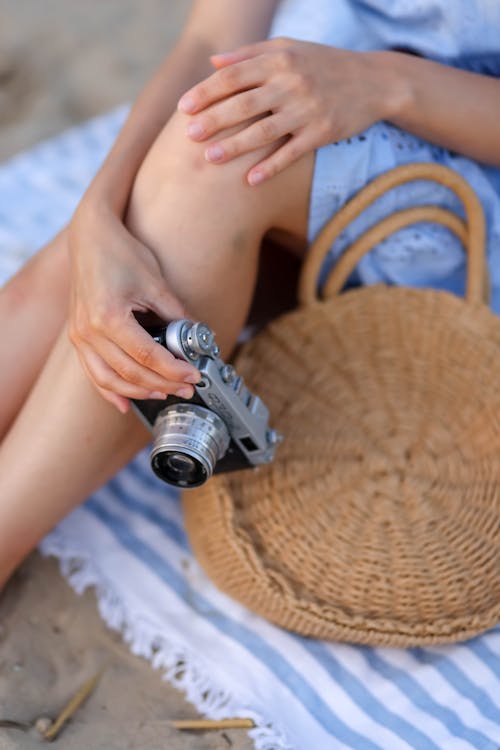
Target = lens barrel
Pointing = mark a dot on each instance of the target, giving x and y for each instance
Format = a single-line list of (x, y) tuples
[(188, 441)]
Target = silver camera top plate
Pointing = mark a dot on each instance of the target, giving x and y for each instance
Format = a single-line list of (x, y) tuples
[(223, 391)]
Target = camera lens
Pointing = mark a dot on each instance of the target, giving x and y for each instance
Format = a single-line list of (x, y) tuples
[(188, 441), (179, 469)]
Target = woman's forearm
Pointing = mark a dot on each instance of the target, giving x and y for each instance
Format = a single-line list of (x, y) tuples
[(186, 64), (213, 25), (452, 108)]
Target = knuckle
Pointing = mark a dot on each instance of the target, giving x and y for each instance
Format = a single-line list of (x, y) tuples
[(95, 323), (324, 126), (229, 77), (208, 122), (127, 372), (232, 147), (103, 379), (286, 59), (281, 42), (302, 83), (268, 129), (145, 355), (295, 152), (99, 318), (247, 106)]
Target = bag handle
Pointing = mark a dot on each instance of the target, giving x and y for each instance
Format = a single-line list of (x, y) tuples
[(472, 233)]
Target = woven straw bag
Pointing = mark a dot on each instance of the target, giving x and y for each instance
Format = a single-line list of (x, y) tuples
[(378, 522)]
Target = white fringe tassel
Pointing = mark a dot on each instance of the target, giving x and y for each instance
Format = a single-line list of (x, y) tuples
[(179, 666)]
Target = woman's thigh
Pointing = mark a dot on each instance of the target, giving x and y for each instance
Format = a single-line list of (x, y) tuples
[(33, 308)]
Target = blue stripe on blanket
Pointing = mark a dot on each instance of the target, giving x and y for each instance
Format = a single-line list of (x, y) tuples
[(460, 682), (486, 654), (171, 529), (255, 645), (423, 700), (364, 697)]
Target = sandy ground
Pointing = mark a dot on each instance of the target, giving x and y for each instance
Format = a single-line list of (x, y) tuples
[(51, 642), (62, 61)]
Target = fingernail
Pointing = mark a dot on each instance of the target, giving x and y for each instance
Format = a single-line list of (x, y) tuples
[(157, 394), (214, 153), (184, 392), (254, 178), (186, 104), (193, 377), (195, 130)]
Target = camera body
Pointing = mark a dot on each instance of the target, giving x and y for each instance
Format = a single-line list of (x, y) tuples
[(223, 427)]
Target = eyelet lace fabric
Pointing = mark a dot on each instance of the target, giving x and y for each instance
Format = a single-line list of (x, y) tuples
[(465, 34)]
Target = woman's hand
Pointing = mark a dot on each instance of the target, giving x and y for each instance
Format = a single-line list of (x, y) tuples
[(113, 276), (312, 93)]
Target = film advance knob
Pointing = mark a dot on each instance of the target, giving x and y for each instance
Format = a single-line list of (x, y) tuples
[(201, 338)]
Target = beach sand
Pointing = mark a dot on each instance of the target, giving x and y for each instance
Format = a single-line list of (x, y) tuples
[(51, 642), (62, 61)]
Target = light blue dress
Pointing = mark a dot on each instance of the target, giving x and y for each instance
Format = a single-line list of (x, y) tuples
[(462, 33)]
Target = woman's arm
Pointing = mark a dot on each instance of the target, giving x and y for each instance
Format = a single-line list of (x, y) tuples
[(444, 105), (212, 26), (314, 94), (113, 275)]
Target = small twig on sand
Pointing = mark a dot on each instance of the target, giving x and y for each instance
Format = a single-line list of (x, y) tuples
[(73, 705), (205, 724)]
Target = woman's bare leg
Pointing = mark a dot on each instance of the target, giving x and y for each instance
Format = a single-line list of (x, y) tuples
[(33, 308), (205, 225)]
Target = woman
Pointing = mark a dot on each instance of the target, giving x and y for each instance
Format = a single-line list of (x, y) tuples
[(218, 150)]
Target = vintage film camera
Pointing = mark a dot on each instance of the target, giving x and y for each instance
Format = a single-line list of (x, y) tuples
[(223, 427)]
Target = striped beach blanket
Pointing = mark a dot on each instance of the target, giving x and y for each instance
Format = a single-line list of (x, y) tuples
[(128, 541)]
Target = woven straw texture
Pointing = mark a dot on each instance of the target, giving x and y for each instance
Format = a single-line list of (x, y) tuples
[(379, 520)]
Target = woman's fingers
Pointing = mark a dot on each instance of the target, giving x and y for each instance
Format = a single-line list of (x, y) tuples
[(108, 381), (143, 351), (121, 403), (247, 51), (242, 69), (279, 160), (125, 360), (223, 83), (142, 348), (132, 372), (269, 129), (233, 111)]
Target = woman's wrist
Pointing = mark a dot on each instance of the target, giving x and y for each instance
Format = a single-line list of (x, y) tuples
[(391, 84), (94, 211), (110, 189)]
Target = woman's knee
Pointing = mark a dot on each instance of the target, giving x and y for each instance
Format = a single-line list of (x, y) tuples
[(175, 170)]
